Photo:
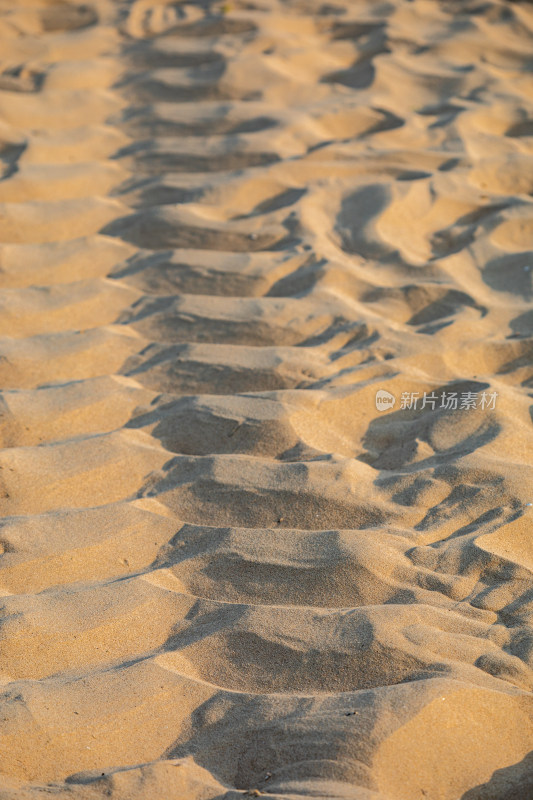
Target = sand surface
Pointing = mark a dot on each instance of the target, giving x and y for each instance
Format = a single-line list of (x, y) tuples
[(225, 226)]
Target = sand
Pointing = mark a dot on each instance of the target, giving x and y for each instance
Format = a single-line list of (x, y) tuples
[(225, 571)]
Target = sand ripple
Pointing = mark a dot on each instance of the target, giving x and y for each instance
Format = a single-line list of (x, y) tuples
[(224, 227)]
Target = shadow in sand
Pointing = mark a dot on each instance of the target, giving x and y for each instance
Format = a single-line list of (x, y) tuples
[(510, 783), (511, 273), (392, 441), (522, 326)]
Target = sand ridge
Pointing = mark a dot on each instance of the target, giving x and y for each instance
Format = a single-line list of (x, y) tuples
[(224, 572)]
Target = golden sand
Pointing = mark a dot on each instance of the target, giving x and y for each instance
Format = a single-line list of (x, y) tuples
[(225, 572)]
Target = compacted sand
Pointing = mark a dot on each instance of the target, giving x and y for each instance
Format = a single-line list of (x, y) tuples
[(225, 226)]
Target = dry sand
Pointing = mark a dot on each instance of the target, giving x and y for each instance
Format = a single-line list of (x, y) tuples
[(225, 226)]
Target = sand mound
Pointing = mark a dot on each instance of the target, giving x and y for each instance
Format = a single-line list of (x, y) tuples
[(230, 233)]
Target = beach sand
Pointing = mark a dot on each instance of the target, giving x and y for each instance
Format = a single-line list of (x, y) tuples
[(225, 571)]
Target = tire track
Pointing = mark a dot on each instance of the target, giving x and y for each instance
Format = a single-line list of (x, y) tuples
[(223, 229)]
